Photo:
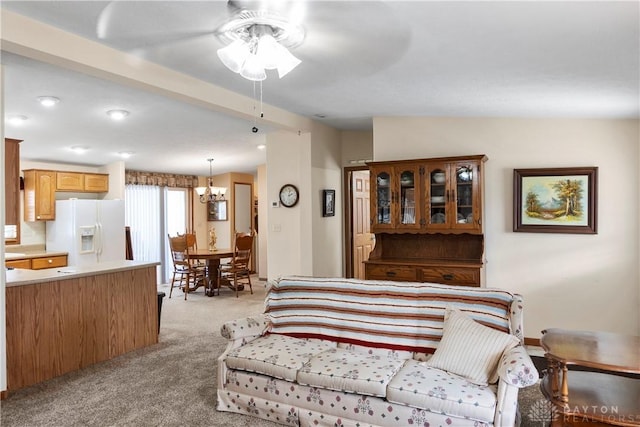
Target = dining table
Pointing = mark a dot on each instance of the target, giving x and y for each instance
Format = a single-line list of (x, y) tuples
[(212, 258)]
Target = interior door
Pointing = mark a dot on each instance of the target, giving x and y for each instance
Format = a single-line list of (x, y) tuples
[(363, 239)]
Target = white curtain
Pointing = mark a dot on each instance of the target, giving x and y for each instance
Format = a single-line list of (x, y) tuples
[(143, 214)]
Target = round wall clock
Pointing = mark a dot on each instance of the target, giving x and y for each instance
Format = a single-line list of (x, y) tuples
[(289, 195)]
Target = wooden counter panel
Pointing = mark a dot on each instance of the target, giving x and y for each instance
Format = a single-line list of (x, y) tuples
[(61, 326)]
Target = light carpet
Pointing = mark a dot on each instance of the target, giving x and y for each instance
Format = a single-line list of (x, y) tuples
[(172, 383)]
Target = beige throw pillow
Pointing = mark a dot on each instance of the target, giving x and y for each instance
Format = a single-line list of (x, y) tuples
[(469, 349)]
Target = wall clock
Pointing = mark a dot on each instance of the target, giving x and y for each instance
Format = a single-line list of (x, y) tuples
[(289, 195)]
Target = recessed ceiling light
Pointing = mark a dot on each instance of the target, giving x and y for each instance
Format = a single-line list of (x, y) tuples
[(117, 114), (48, 101), (125, 154), (79, 149), (17, 120), (261, 147)]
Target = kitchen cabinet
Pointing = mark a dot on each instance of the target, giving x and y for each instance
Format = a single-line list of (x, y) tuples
[(19, 263), (82, 182), (41, 185), (12, 190), (39, 195), (48, 262), (69, 181), (38, 262), (427, 215), (96, 182)]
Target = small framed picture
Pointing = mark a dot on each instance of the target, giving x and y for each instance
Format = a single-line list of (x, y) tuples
[(555, 200), (328, 202), (217, 210)]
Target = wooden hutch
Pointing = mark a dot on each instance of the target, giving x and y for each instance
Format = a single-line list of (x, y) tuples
[(427, 218)]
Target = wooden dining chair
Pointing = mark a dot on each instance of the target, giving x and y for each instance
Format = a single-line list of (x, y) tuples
[(238, 270), (192, 244), (185, 271)]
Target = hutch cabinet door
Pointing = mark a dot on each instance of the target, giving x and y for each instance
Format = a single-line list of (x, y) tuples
[(407, 197), (453, 198), (466, 197), (437, 184), (382, 207)]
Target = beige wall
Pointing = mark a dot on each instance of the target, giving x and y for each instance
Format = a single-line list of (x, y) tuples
[(357, 147), (571, 281), (300, 240), (326, 174)]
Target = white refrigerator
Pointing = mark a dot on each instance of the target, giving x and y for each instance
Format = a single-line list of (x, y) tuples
[(91, 231)]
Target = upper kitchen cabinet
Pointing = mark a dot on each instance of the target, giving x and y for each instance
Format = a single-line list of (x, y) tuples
[(39, 195), (12, 190), (96, 182), (40, 188), (82, 182)]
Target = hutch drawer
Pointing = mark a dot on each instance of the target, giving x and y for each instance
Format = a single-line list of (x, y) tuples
[(389, 272), (451, 275)]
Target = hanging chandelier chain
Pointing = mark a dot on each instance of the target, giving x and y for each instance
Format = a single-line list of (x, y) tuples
[(210, 193)]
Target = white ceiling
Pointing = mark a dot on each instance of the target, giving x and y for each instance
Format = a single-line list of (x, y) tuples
[(360, 60)]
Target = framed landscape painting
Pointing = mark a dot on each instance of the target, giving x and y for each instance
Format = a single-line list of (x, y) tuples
[(555, 200)]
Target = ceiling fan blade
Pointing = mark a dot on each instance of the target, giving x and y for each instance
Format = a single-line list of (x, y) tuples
[(118, 23), (337, 39)]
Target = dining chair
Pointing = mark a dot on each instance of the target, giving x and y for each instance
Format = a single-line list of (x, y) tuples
[(238, 270), (192, 244), (185, 271)]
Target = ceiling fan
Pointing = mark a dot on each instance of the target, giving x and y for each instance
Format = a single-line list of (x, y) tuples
[(335, 34)]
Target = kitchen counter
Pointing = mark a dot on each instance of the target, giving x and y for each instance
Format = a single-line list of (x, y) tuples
[(20, 277), (12, 256), (68, 318), (32, 254)]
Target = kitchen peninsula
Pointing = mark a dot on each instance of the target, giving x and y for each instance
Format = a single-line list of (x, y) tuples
[(63, 319)]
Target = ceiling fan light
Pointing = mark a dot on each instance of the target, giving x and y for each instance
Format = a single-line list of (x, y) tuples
[(269, 51), (234, 55), (253, 69), (286, 62)]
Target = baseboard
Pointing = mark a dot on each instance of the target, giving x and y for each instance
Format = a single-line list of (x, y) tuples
[(532, 341), (4, 394)]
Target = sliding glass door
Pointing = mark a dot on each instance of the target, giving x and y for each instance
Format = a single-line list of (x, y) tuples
[(152, 213)]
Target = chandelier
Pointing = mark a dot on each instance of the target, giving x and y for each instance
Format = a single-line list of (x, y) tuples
[(258, 40), (210, 193)]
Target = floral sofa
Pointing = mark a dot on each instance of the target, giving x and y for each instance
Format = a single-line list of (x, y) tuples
[(345, 352)]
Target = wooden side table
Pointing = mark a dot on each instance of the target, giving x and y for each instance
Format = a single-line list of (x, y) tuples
[(586, 397)]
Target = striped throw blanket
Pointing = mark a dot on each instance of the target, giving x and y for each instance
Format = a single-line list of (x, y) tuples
[(383, 314)]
